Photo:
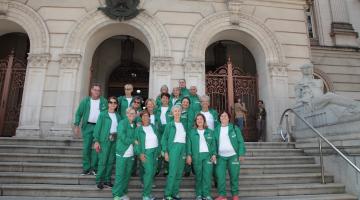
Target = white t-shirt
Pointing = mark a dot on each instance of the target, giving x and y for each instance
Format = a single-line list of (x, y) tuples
[(129, 101), (163, 115), (174, 101), (203, 145), (130, 151), (151, 141), (225, 147), (180, 135), (114, 122), (94, 110), (152, 119), (209, 119)]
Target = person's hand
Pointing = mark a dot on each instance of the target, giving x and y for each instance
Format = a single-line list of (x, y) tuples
[(77, 132), (213, 159), (241, 158), (188, 160), (142, 157), (97, 147), (166, 157)]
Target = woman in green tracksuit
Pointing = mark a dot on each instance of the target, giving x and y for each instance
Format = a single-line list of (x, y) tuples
[(104, 137), (173, 144), (148, 150), (201, 149), (125, 141), (230, 148)]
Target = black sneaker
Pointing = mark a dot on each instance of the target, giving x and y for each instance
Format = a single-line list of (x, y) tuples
[(92, 172), (100, 185), (85, 172), (108, 184)]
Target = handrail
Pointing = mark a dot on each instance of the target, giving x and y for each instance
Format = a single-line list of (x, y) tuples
[(285, 113)]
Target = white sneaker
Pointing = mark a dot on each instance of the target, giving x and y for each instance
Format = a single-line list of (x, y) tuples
[(125, 197)]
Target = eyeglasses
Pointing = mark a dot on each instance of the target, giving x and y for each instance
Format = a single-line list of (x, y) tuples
[(112, 102)]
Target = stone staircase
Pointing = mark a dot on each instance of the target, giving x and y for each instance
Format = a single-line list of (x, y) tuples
[(39, 169)]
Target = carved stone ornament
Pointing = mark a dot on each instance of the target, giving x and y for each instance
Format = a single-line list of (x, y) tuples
[(121, 9), (70, 61), (38, 60), (161, 64), (4, 7)]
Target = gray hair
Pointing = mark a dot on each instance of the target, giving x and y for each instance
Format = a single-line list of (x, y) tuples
[(164, 86), (176, 107), (129, 109), (205, 97)]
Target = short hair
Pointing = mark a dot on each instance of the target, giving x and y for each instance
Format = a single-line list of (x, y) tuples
[(176, 107), (206, 97), (164, 86), (144, 112), (129, 109), (128, 85), (187, 99), (165, 94), (224, 111), (204, 118), (182, 80), (95, 85), (117, 102), (138, 98), (193, 87), (150, 100)]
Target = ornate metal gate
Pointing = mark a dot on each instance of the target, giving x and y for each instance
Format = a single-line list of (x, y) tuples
[(12, 78), (227, 84)]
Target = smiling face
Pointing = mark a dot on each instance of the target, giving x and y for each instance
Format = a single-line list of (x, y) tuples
[(130, 113), (205, 104), (176, 91), (95, 92), (150, 106), (182, 83), (165, 100), (200, 121), (128, 90), (193, 90), (185, 103), (176, 113), (145, 119), (112, 104), (136, 104)]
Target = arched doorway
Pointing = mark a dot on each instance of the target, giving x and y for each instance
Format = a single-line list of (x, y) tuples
[(120, 60), (13, 61), (231, 75)]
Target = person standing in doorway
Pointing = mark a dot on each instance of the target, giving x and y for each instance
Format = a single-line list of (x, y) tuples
[(230, 150), (240, 114), (261, 120), (104, 137), (183, 90), (87, 114), (126, 100), (125, 141)]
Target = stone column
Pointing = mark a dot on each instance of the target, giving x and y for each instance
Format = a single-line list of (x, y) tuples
[(342, 30), (195, 74), (160, 74), (29, 122), (279, 99), (65, 103)]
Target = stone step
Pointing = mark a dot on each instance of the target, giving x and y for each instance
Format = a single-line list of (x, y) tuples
[(295, 197), (78, 143), (77, 150), (75, 168), (85, 191), (188, 182)]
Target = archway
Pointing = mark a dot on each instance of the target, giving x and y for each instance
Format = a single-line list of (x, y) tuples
[(263, 45), (120, 60)]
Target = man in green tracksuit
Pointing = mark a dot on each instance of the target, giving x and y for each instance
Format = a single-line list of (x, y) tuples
[(125, 142), (125, 101), (183, 90), (104, 137), (230, 148), (148, 149), (162, 117), (195, 103), (87, 113), (201, 151), (175, 98), (173, 145)]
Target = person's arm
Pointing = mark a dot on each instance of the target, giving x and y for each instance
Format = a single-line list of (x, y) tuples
[(243, 107), (165, 138), (138, 144), (188, 144), (79, 113), (240, 140), (98, 127), (121, 133)]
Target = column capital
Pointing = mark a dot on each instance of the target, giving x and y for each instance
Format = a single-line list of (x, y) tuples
[(4, 7), (234, 6), (70, 61), (38, 60), (162, 64), (278, 70), (193, 65)]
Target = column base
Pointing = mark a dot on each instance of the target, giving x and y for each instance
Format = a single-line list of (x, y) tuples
[(61, 131), (28, 132)]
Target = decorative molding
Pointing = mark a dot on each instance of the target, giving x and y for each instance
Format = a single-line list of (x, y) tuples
[(161, 64), (278, 70), (154, 32), (194, 66), (32, 23), (4, 7), (234, 7), (207, 28), (38, 60), (70, 61)]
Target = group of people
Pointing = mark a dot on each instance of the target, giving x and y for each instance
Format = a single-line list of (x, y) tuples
[(174, 134)]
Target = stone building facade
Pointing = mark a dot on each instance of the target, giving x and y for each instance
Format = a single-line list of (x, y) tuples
[(282, 35)]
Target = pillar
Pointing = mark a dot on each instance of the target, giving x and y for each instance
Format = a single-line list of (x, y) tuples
[(195, 74), (160, 74)]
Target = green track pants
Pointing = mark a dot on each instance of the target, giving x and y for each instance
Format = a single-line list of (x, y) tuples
[(149, 170), (176, 168), (203, 174), (90, 158), (122, 175), (106, 161), (232, 165)]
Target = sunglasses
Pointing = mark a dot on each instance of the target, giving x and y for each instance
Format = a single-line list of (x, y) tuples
[(112, 102)]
